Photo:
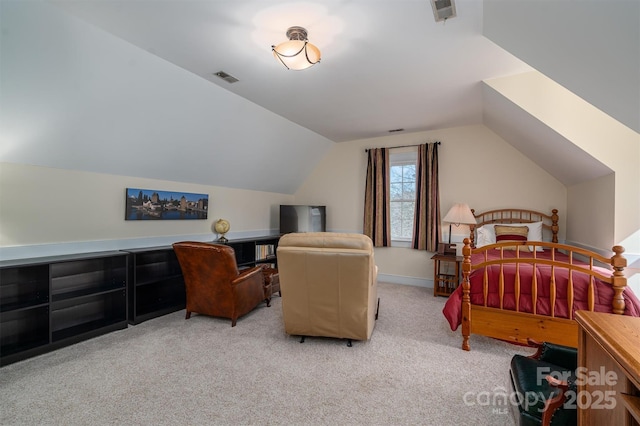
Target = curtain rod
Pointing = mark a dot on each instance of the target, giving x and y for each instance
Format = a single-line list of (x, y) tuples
[(401, 146)]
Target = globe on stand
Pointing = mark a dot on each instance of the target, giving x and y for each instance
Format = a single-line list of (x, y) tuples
[(221, 226)]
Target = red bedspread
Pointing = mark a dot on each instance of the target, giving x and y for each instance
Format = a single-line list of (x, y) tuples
[(603, 291)]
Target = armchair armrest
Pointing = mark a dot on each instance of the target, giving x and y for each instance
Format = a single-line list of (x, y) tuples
[(249, 286), (249, 281), (247, 274), (552, 404)]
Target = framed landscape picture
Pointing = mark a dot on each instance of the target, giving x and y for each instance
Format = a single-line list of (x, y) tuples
[(149, 204)]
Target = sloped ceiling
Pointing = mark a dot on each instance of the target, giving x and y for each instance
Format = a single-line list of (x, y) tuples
[(111, 82), (385, 64), (540, 143), (75, 97), (590, 47)]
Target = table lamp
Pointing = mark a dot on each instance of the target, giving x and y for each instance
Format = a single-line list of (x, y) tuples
[(459, 214)]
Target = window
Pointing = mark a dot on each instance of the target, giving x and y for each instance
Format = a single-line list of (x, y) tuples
[(402, 185)]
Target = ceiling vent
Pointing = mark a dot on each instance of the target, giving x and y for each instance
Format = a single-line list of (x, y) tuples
[(226, 77), (443, 9)]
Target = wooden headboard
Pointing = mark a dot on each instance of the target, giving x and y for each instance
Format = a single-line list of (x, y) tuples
[(549, 221)]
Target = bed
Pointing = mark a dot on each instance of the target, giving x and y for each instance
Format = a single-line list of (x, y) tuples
[(523, 284)]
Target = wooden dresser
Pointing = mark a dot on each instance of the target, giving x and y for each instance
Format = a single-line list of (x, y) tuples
[(608, 344)]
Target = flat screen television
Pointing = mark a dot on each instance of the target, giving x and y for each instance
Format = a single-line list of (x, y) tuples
[(298, 218)]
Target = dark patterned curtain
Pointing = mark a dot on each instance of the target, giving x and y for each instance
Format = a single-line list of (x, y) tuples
[(377, 210), (426, 223)]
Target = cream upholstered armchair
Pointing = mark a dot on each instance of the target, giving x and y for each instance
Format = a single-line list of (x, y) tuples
[(329, 285)]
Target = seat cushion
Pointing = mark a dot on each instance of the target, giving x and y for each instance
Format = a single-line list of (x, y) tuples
[(532, 389)]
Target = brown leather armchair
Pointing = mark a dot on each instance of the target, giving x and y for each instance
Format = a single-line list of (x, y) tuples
[(213, 284)]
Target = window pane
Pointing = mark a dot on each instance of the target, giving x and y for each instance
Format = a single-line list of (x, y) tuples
[(407, 219), (396, 210), (407, 209), (409, 173), (396, 219), (395, 191), (395, 173), (407, 227), (409, 191)]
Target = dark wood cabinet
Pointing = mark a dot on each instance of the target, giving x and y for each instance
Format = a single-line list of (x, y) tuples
[(50, 302), (156, 286)]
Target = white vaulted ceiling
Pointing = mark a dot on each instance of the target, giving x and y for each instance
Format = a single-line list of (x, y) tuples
[(385, 65)]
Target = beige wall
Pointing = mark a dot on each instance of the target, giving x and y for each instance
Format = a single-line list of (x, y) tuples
[(594, 203), (582, 198), (47, 211), (476, 167)]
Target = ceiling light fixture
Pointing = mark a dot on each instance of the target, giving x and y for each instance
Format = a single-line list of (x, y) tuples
[(297, 53)]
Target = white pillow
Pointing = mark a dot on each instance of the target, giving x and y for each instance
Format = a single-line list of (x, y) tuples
[(483, 235), (486, 234)]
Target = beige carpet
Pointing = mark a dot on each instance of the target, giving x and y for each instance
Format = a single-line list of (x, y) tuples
[(202, 371)]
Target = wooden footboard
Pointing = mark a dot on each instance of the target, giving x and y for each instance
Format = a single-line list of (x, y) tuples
[(517, 326)]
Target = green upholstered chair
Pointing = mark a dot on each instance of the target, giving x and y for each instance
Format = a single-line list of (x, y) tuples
[(542, 383)]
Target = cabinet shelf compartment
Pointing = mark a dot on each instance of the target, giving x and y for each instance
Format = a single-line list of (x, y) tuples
[(156, 286), (23, 287), (158, 299), (446, 283), (157, 280), (265, 252), (73, 317), (82, 277), (23, 330), (450, 277), (270, 258), (53, 301), (156, 265), (632, 404), (245, 252), (84, 292), (252, 251)]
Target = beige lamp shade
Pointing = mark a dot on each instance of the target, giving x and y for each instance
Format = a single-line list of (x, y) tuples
[(459, 214)]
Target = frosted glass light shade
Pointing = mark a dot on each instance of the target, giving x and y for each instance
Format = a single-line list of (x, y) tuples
[(297, 54)]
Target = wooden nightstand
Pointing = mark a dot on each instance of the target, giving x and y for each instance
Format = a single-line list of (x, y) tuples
[(445, 282)]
